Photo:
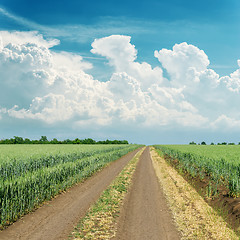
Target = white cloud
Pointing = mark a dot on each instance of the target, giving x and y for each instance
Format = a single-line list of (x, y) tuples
[(33, 37), (49, 86), (187, 66), (29, 68), (40, 84), (203, 89), (23, 73), (117, 48), (232, 82), (124, 87), (183, 62), (169, 97), (225, 123), (70, 61), (122, 56), (50, 108)]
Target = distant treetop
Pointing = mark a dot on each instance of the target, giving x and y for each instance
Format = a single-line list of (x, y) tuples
[(212, 143), (44, 140)]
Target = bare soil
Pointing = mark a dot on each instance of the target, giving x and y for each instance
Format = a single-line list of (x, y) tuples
[(56, 219), (145, 214)]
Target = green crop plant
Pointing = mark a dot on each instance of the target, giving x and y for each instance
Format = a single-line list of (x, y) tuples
[(18, 167), (219, 163), (27, 181)]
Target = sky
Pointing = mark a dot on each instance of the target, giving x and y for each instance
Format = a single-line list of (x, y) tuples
[(151, 72)]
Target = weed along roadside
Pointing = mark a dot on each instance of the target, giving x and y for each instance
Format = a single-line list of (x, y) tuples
[(100, 220), (194, 218)]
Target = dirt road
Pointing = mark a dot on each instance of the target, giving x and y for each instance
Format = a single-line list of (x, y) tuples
[(56, 219), (145, 214)]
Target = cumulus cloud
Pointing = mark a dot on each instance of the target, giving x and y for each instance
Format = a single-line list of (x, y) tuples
[(40, 84), (50, 108), (232, 82), (17, 37), (184, 63), (122, 56), (124, 87), (29, 68), (188, 55), (117, 48), (69, 61), (188, 68), (224, 122)]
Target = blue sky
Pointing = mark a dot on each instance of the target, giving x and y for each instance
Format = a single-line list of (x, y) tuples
[(146, 71)]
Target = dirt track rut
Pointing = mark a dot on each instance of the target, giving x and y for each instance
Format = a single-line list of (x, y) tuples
[(56, 219), (145, 214)]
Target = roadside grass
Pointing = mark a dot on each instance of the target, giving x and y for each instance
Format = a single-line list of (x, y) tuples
[(100, 222), (194, 218)]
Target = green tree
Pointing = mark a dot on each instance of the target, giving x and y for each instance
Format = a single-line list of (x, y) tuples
[(67, 141), (77, 141), (18, 140), (27, 141), (88, 141), (43, 139), (54, 141)]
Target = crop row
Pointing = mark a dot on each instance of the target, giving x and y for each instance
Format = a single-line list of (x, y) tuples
[(15, 167), (219, 170), (22, 193)]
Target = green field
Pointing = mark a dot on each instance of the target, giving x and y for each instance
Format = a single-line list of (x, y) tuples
[(219, 163), (32, 174)]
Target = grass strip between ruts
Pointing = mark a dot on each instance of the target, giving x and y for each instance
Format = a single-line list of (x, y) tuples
[(100, 220)]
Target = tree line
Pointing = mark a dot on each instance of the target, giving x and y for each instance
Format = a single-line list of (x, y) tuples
[(44, 140), (204, 143)]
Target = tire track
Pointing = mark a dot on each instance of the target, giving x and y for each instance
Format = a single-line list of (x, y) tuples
[(145, 214)]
